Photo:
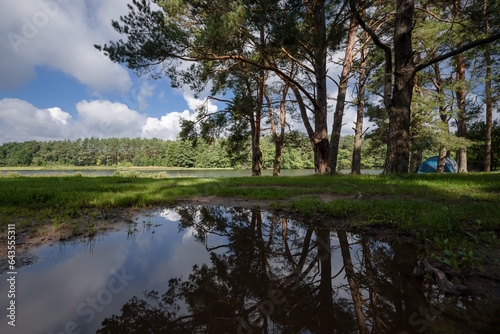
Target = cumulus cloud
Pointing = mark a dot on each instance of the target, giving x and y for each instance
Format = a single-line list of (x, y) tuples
[(21, 121), (167, 127), (194, 103), (170, 215), (60, 34), (105, 119), (59, 115)]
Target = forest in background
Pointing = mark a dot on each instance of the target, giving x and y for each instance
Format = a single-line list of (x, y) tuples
[(297, 153)]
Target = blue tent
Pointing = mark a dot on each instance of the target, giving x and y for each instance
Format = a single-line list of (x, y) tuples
[(430, 166)]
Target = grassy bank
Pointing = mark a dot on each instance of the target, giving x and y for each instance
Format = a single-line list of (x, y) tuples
[(58, 168), (452, 214), (115, 167)]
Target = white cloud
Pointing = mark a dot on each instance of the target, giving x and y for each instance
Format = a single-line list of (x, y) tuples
[(194, 103), (189, 234), (105, 119), (60, 34), (20, 121), (59, 115), (170, 215), (167, 127)]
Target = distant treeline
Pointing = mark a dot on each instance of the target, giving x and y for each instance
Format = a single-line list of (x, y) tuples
[(297, 153)]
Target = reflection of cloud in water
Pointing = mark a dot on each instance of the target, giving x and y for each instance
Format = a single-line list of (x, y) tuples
[(61, 287), (177, 260), (189, 234), (170, 214), (179, 252)]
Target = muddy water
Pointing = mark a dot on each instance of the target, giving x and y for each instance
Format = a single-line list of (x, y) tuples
[(228, 270)]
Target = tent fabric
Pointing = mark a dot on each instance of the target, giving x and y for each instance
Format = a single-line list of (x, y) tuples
[(430, 166)]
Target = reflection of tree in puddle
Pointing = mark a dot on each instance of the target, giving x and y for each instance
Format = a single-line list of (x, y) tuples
[(273, 275)]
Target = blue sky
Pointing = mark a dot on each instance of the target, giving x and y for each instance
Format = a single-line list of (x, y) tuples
[(55, 85), (50, 86)]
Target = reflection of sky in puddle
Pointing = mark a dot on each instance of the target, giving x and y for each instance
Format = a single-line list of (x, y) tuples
[(79, 284), (50, 293)]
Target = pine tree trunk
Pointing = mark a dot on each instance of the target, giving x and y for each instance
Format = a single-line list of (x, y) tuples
[(489, 102), (441, 160), (321, 144), (278, 140), (398, 145), (256, 155), (255, 121), (339, 108), (255, 133), (353, 285), (278, 153), (460, 96), (462, 117), (322, 156), (256, 152), (444, 118), (326, 313), (358, 131), (489, 114), (416, 160)]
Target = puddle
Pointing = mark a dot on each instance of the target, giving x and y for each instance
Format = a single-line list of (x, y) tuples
[(206, 269)]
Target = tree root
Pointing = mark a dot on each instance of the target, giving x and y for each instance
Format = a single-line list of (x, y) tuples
[(443, 282)]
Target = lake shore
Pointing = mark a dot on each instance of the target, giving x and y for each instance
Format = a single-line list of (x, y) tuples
[(164, 172), (72, 168), (155, 171), (115, 167), (454, 217)]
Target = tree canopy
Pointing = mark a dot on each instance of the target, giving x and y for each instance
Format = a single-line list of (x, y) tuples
[(248, 46)]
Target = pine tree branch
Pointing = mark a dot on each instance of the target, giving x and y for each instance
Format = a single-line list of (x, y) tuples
[(368, 30), (462, 49), (387, 52)]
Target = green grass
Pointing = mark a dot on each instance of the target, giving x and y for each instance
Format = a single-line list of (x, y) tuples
[(451, 214)]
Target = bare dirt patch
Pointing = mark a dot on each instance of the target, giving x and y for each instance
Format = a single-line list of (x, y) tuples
[(263, 204)]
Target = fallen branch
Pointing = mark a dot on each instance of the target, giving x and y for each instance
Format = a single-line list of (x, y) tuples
[(443, 282)]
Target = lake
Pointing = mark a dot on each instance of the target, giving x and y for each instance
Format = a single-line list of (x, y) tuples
[(187, 172), (215, 269)]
